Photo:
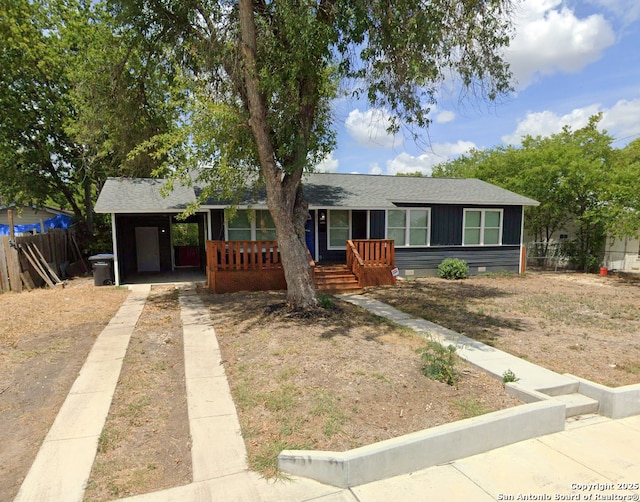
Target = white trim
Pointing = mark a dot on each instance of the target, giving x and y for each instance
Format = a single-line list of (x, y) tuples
[(253, 229), (329, 246), (407, 226), (482, 225), (114, 244), (315, 235)]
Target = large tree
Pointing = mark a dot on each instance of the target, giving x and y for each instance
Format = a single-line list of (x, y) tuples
[(268, 71), (77, 95), (571, 174)]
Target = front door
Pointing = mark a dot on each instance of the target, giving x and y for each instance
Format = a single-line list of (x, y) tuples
[(310, 234), (147, 249)]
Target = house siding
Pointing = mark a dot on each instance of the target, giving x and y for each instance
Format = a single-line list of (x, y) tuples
[(424, 262), (446, 223)]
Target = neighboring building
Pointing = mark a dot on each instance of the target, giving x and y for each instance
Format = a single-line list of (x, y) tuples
[(622, 254), (430, 219), (33, 220)]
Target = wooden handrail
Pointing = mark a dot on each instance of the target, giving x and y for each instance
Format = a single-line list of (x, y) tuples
[(375, 252), (243, 255)]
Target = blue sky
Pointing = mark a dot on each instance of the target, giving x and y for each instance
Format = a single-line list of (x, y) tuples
[(570, 60)]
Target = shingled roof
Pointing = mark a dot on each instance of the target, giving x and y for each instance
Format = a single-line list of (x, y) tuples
[(142, 195), (351, 191)]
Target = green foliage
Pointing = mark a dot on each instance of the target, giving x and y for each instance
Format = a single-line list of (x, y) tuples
[(439, 363), (576, 176), (185, 234), (509, 376), (453, 268), (325, 301)]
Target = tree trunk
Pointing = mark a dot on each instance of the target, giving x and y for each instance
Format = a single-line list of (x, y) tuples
[(284, 193)]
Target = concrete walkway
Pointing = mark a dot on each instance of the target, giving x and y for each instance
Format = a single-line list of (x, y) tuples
[(585, 461), (63, 463)]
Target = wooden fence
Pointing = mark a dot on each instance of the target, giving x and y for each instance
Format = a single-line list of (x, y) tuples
[(32, 261)]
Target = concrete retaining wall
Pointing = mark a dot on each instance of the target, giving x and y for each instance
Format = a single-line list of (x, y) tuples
[(427, 448), (616, 402)]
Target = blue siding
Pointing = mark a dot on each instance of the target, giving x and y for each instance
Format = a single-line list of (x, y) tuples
[(425, 261)]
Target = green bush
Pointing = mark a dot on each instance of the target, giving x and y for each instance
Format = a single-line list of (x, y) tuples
[(438, 363), (453, 268)]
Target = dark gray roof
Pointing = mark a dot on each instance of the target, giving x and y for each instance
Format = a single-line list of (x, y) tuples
[(375, 191), (142, 195), (352, 191)]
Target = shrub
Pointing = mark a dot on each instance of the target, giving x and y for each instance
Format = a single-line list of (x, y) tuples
[(438, 363), (453, 268), (509, 376)]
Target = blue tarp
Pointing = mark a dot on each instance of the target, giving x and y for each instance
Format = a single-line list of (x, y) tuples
[(58, 221)]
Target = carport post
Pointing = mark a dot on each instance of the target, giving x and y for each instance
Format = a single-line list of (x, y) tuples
[(114, 244)]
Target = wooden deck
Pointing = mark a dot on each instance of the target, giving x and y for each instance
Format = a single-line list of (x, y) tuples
[(256, 266)]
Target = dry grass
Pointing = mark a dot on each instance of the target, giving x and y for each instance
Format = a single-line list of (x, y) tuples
[(335, 381), (581, 324), (144, 445)]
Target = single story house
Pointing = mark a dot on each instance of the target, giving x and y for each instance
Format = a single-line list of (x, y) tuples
[(33, 220), (429, 219)]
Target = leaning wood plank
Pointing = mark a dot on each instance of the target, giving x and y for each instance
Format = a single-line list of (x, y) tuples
[(36, 266), (77, 248), (13, 266), (26, 280), (4, 273), (45, 265)]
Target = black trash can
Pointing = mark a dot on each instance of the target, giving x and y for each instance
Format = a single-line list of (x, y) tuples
[(102, 265)]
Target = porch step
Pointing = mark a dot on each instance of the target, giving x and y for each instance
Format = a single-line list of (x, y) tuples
[(577, 404), (336, 279)]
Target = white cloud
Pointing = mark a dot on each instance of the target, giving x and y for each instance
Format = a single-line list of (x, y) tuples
[(621, 121), (546, 123), (370, 128), (375, 168), (627, 11), (406, 163), (445, 116), (328, 165), (551, 39)]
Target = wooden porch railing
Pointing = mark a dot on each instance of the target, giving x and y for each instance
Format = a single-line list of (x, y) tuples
[(371, 261), (243, 255), (244, 266)]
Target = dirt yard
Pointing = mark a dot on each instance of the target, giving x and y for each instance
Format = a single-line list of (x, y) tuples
[(586, 325), (335, 381), (45, 336)]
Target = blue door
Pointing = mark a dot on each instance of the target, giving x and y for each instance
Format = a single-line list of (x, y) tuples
[(310, 234)]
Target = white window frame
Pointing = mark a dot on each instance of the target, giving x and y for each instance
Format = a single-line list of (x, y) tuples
[(407, 226), (329, 246), (482, 227), (253, 219)]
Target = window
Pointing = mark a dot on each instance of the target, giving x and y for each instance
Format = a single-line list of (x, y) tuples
[(239, 228), (408, 227), (339, 228), (265, 227), (482, 227), (244, 228)]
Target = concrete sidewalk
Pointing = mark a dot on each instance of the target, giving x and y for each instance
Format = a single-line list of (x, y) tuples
[(63, 464), (586, 461)]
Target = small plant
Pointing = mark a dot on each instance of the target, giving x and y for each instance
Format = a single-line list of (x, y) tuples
[(438, 363), (469, 407), (453, 268), (509, 376), (325, 301)]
